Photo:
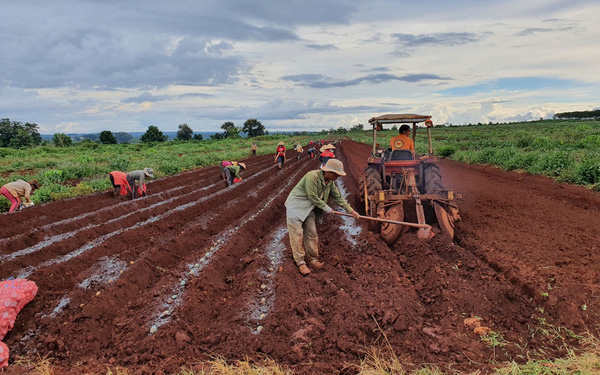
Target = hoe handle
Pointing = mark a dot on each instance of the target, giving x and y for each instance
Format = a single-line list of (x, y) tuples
[(426, 226)]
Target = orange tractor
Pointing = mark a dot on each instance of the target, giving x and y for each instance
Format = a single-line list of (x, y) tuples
[(400, 186)]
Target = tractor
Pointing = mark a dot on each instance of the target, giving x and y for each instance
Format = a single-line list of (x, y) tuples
[(400, 186)]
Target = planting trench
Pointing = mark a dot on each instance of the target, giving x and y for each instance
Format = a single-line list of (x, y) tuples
[(209, 269)]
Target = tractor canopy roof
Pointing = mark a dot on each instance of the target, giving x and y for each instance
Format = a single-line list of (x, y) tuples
[(398, 119)]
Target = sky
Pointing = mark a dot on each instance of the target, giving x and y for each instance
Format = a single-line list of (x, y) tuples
[(83, 66)]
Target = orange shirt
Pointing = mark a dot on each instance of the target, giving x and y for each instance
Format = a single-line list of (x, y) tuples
[(402, 142)]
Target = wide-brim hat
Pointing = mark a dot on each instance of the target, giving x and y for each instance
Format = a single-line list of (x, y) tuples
[(243, 165), (149, 172), (327, 147), (335, 166), (280, 144), (34, 183)]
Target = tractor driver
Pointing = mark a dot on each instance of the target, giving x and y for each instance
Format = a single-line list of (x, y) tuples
[(402, 141)]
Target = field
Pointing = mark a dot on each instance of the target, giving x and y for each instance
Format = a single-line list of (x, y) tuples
[(83, 169), (196, 270)]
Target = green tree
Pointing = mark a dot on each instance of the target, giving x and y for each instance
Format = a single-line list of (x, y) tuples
[(61, 140), (153, 135), (198, 137), (217, 136), (107, 137), (230, 130), (22, 139), (253, 128), (18, 135), (357, 128), (185, 132)]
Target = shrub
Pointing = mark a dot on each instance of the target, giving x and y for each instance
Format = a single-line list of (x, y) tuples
[(553, 163), (44, 193), (53, 176), (119, 165), (521, 160), (543, 143), (85, 159), (446, 151), (588, 171), (169, 168), (591, 141), (524, 142)]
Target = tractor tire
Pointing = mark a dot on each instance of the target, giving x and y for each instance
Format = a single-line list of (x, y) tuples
[(373, 184), (373, 180), (432, 179)]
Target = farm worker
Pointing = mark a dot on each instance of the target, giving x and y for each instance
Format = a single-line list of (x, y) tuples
[(326, 153), (139, 175), (299, 150), (254, 148), (280, 157), (119, 183), (311, 152), (305, 206), (14, 191), (232, 172), (402, 141)]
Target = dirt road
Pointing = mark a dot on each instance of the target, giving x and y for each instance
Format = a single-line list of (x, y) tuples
[(208, 268)]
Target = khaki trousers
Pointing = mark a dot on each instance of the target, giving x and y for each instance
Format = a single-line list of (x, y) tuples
[(303, 231)]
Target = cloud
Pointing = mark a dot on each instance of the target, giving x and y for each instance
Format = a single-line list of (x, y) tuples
[(320, 82), (148, 97), (534, 30), (321, 47), (437, 39), (378, 69), (511, 84)]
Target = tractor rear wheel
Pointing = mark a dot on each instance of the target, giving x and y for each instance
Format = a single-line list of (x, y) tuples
[(432, 179), (373, 180), (373, 186)]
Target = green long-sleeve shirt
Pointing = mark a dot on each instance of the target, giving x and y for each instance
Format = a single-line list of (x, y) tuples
[(235, 170), (312, 193)]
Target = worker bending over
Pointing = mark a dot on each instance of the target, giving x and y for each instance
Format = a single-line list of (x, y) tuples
[(14, 191), (231, 171), (326, 153), (305, 206), (124, 183)]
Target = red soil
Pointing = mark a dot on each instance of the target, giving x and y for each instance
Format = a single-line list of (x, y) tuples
[(524, 259)]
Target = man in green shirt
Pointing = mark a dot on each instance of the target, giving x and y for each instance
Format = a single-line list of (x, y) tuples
[(305, 206)]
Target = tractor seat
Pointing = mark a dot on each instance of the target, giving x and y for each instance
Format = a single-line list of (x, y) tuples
[(401, 155)]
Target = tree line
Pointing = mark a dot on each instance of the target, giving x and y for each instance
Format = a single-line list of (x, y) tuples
[(15, 134), (595, 114)]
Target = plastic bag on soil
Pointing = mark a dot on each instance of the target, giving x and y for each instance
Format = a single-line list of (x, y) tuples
[(14, 295)]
